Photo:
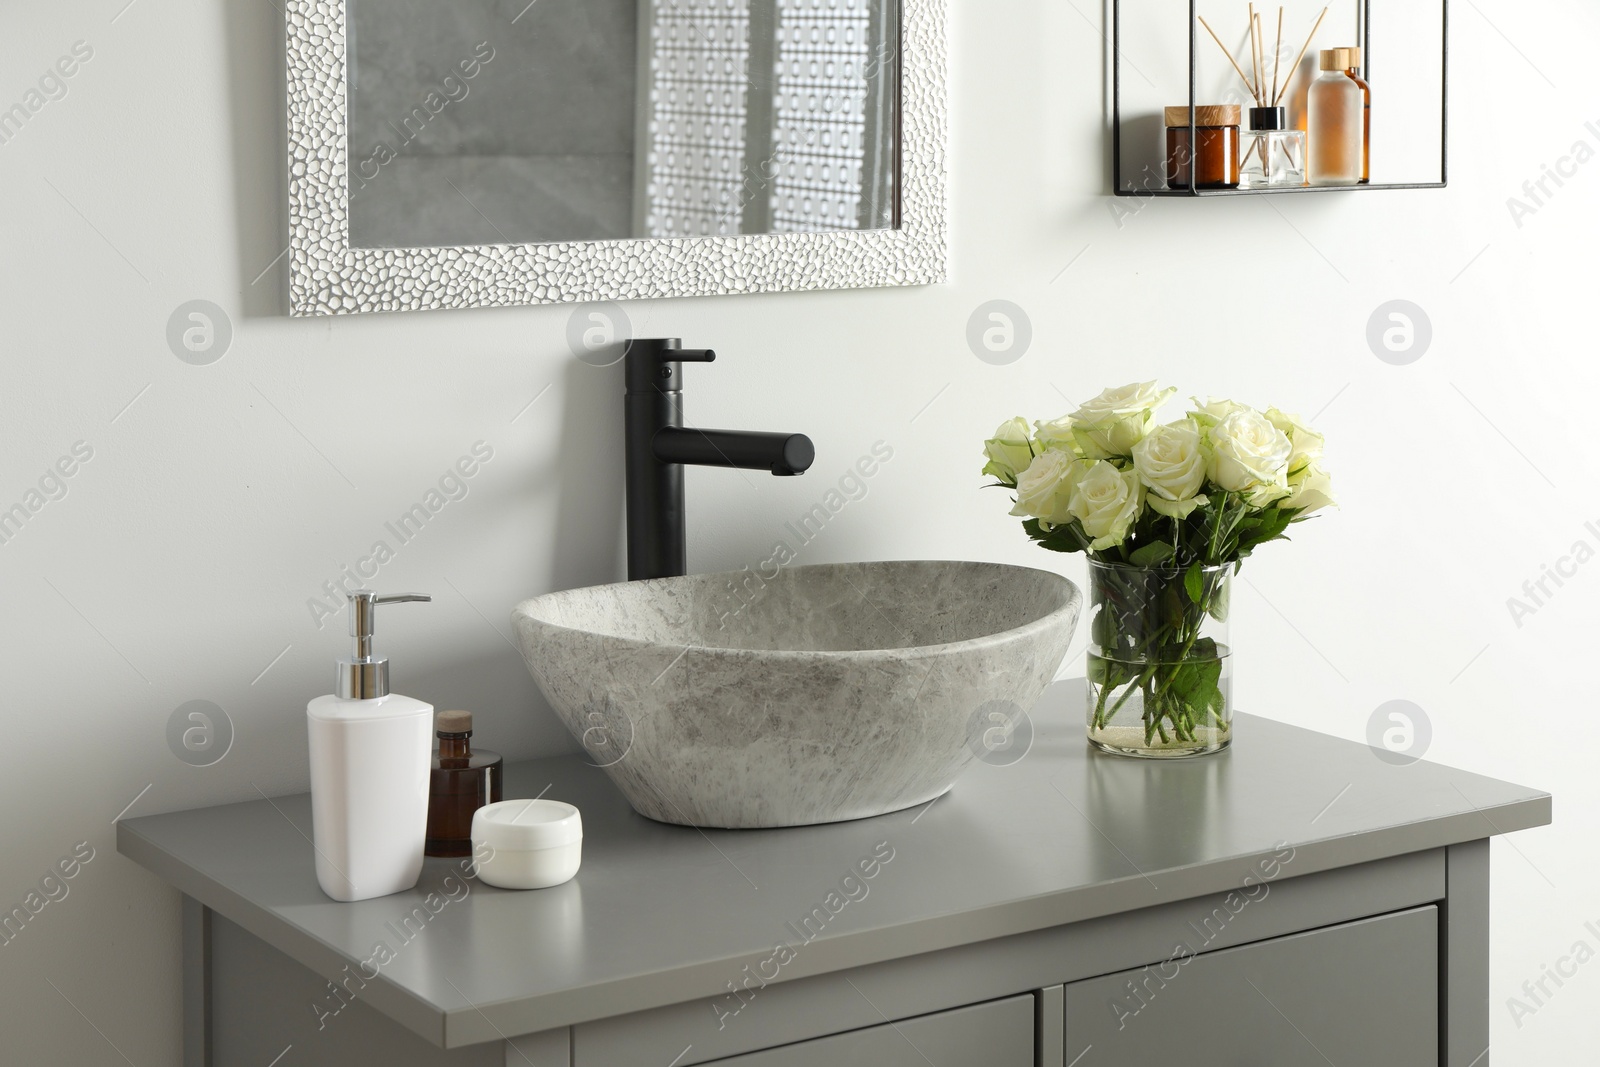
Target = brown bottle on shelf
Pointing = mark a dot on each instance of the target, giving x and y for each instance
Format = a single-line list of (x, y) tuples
[(462, 781), (1353, 72)]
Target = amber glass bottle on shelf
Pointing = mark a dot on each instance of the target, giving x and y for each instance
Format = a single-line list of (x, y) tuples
[(1352, 70), (462, 781)]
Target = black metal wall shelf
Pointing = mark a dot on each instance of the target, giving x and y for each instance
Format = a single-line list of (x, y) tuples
[(1194, 53)]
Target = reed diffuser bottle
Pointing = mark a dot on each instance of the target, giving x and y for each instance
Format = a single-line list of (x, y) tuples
[(1274, 154), (1335, 122)]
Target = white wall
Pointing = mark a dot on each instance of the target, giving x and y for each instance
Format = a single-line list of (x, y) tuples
[(179, 564)]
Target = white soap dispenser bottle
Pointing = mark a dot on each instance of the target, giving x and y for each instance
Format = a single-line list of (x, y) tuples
[(370, 756)]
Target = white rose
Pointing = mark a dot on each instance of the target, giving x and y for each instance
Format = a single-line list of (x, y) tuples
[(1056, 435), (1307, 443), (1045, 488), (1250, 456), (1107, 501), (1172, 465), (1009, 451), (1310, 489), (1212, 411), (1113, 422)]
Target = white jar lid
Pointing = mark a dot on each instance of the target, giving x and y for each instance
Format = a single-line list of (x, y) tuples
[(523, 825)]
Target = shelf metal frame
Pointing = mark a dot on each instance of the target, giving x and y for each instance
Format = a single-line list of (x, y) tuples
[(1365, 12)]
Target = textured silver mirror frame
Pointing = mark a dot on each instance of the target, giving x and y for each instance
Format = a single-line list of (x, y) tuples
[(328, 277)]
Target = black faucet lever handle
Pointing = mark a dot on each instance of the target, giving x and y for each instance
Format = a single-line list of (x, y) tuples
[(688, 355), (653, 363)]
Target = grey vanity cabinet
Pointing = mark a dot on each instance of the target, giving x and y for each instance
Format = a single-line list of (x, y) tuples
[(1363, 993), (1336, 907), (997, 1034)]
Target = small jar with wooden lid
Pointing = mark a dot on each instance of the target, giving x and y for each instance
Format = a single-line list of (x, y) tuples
[(1213, 162)]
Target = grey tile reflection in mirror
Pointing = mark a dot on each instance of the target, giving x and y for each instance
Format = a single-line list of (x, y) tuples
[(619, 119)]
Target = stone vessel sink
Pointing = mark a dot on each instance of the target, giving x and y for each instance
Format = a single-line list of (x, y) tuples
[(821, 693)]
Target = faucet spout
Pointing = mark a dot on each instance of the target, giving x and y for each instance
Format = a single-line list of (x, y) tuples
[(658, 446), (784, 454)]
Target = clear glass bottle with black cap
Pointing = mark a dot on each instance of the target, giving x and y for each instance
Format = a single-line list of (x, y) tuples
[(1274, 154), (463, 780)]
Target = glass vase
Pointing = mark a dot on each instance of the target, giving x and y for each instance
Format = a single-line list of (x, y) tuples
[(1160, 675)]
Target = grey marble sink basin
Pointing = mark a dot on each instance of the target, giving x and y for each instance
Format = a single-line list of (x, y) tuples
[(822, 693)]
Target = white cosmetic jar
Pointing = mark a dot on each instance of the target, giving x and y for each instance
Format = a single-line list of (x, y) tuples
[(527, 844)]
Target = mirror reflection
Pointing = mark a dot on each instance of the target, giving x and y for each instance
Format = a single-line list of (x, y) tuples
[(510, 121)]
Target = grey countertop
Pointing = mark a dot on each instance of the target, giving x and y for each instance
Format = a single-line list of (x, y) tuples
[(664, 914)]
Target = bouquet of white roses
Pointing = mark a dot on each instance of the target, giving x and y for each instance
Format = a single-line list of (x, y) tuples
[(1181, 503)]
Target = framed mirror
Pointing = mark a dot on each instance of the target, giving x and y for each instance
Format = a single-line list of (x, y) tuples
[(501, 152)]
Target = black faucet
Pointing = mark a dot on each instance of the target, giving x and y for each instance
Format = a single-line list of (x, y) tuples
[(658, 445)]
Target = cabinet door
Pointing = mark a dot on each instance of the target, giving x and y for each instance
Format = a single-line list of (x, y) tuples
[(1362, 994), (996, 1034)]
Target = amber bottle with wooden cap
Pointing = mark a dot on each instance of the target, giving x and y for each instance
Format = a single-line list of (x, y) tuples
[(1352, 70), (462, 781), (1213, 162)]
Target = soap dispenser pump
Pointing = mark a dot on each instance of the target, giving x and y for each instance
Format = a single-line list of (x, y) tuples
[(371, 751)]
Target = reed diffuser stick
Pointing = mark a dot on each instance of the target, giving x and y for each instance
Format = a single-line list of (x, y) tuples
[(1296, 64), (1258, 50), (1235, 62), (1255, 61), (1277, 56)]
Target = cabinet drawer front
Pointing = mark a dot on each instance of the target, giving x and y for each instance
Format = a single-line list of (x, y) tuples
[(1362, 994), (997, 1034)]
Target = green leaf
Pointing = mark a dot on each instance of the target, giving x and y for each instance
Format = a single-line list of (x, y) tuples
[(1194, 582), (1108, 673), (1268, 525), (1195, 684), (1218, 608), (1156, 552), (1056, 539)]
